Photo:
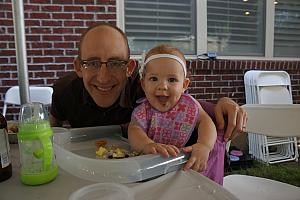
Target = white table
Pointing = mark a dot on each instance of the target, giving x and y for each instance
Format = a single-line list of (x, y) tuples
[(172, 186), (60, 188)]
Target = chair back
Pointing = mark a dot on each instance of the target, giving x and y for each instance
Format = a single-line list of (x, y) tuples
[(41, 94)]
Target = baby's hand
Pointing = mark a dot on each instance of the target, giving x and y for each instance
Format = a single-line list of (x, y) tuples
[(199, 157), (163, 149)]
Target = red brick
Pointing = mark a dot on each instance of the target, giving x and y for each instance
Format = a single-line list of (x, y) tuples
[(6, 22), (3, 45), (220, 84), (6, 52), (44, 74), (229, 77), (55, 67), (41, 1), (31, 52), (33, 38), (41, 45), (73, 8), (95, 8), (62, 1), (70, 67), (3, 60), (9, 15), (111, 9), (36, 81), (9, 82), (227, 90), (4, 75), (64, 59), (50, 81), (40, 30), (84, 2), (6, 6), (30, 23), (35, 67), (108, 2), (212, 78), (196, 90), (79, 30), (52, 23), (106, 16), (40, 15), (62, 30), (71, 52), (61, 16), (60, 74), (30, 8), (73, 23), (203, 84), (6, 37), (43, 60), (83, 16), (53, 52), (64, 45), (72, 37), (52, 8), (52, 37)]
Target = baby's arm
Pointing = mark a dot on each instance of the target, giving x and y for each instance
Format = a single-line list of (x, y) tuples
[(207, 135), (140, 142)]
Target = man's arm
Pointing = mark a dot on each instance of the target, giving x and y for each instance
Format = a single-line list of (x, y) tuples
[(54, 122), (227, 115)]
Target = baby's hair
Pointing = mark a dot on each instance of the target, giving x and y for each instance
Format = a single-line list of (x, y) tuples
[(165, 49)]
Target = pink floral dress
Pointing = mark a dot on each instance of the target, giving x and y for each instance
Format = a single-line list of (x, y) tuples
[(172, 127)]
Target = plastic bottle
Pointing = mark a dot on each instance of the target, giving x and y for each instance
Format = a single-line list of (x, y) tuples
[(5, 160)]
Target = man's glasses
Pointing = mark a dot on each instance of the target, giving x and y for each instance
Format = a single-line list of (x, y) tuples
[(94, 64)]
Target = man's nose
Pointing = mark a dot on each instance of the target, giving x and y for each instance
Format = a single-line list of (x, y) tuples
[(103, 74)]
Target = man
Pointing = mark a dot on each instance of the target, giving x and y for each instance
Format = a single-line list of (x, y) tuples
[(105, 86)]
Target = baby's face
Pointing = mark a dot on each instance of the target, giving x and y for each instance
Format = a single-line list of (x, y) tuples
[(163, 83)]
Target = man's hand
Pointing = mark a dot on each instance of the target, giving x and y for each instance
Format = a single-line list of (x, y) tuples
[(236, 117)]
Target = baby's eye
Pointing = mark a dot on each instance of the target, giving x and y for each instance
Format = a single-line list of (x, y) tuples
[(172, 80), (153, 78)]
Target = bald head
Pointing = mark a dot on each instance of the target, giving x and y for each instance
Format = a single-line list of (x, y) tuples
[(106, 29)]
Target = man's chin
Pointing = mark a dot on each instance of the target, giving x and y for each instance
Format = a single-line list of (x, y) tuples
[(106, 103)]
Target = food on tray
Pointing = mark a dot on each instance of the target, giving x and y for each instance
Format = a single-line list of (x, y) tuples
[(101, 143), (105, 151), (12, 127)]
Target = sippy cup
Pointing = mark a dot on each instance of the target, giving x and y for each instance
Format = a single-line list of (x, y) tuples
[(35, 145)]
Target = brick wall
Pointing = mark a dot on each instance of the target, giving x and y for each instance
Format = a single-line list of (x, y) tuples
[(52, 31)]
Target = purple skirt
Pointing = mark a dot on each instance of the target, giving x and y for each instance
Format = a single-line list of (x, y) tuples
[(215, 163)]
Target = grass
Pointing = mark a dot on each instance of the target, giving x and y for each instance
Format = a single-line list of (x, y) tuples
[(288, 172)]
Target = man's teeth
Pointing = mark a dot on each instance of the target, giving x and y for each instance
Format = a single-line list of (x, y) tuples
[(104, 89)]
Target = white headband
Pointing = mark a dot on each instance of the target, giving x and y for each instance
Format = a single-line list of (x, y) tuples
[(145, 62)]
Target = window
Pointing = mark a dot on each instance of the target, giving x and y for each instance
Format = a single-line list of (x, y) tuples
[(236, 27), (287, 28), (149, 23), (256, 28)]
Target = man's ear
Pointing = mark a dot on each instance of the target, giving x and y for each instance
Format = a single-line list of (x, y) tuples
[(131, 65), (186, 83), (77, 67)]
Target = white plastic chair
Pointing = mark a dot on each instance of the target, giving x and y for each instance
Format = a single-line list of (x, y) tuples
[(271, 120), (270, 87), (42, 94), (250, 187)]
